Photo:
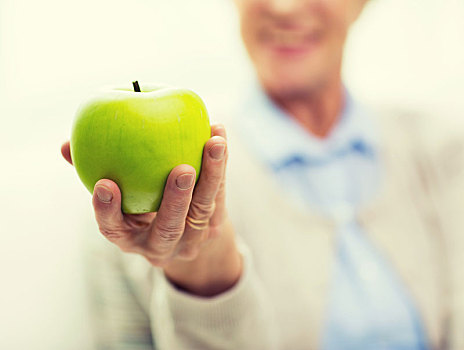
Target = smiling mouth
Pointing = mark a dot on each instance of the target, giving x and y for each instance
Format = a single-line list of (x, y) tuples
[(290, 41)]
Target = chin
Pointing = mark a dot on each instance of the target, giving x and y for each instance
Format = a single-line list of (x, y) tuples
[(286, 76), (284, 84)]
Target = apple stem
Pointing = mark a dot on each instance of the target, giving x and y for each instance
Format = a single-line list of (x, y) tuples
[(136, 86)]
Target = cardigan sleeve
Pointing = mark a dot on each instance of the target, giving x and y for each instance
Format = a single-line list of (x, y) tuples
[(134, 307), (118, 317), (240, 318)]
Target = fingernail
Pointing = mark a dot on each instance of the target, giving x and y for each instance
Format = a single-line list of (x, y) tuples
[(184, 181), (217, 151), (104, 194)]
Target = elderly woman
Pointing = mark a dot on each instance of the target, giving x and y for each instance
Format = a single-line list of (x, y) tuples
[(342, 226)]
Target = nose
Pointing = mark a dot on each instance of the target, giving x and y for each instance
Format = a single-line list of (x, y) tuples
[(284, 7)]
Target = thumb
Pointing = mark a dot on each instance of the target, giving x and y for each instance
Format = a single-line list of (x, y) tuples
[(66, 152)]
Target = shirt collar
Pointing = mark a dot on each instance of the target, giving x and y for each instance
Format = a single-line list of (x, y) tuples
[(278, 138)]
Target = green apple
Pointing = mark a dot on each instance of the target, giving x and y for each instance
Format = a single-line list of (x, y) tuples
[(137, 138)]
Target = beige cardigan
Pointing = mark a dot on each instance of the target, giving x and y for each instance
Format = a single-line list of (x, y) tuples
[(416, 220)]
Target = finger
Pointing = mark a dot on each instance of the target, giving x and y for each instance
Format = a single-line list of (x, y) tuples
[(196, 225), (170, 219), (202, 204), (218, 216), (107, 206), (219, 130), (66, 152)]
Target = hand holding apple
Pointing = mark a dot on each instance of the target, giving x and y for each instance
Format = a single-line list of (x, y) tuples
[(201, 259)]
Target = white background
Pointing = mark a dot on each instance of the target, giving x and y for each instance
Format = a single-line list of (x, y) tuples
[(53, 52)]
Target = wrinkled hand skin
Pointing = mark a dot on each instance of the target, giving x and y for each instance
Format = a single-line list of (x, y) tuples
[(203, 261)]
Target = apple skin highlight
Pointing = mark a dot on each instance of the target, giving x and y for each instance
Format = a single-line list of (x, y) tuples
[(136, 138)]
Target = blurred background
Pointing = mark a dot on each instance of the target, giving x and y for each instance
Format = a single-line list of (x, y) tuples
[(53, 53)]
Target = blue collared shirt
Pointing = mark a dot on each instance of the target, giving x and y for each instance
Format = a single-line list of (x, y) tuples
[(369, 307)]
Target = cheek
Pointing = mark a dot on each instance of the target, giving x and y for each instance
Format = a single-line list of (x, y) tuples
[(249, 26), (340, 14), (334, 14)]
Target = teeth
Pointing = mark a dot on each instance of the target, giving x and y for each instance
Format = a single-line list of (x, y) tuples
[(289, 38)]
